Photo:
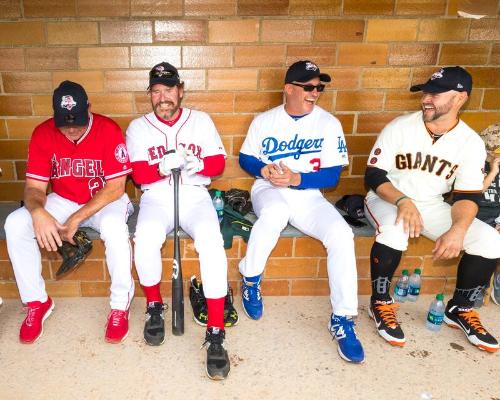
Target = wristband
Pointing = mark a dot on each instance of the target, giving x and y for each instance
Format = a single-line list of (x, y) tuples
[(401, 198)]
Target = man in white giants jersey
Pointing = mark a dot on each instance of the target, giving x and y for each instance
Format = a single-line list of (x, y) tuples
[(416, 159), (294, 150), (173, 137)]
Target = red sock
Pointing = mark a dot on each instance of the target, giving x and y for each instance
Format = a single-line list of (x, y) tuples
[(152, 293), (215, 313)]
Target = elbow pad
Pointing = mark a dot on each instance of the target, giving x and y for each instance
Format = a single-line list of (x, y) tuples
[(374, 177)]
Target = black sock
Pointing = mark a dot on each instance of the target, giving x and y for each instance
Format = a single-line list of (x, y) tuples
[(474, 273), (384, 260)]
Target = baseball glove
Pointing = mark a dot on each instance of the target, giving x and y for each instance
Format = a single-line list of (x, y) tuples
[(239, 200), (73, 255)]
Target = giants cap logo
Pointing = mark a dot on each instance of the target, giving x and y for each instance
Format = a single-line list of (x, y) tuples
[(67, 102), (437, 74), (121, 154), (311, 66)]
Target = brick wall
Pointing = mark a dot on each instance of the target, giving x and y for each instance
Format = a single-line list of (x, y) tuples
[(233, 55)]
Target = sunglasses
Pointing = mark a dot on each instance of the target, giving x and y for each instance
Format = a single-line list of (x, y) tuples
[(309, 88)]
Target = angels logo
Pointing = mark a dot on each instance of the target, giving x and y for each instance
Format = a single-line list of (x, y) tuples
[(68, 102), (437, 74), (311, 66), (121, 154)]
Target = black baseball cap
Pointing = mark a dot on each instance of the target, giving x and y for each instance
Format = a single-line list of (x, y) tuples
[(448, 78), (164, 73), (70, 104), (303, 71)]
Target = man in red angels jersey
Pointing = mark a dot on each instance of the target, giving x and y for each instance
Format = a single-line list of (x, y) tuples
[(173, 137), (84, 158)]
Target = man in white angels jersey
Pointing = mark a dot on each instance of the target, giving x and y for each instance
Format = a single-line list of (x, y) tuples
[(294, 150), (174, 137), (416, 159), (83, 156)]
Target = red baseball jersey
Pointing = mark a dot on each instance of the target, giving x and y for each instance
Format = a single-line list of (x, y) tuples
[(78, 170)]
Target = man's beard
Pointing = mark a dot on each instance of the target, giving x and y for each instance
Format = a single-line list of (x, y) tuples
[(166, 113), (437, 112)]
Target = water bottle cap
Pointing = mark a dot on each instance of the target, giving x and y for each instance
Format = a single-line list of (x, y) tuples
[(405, 272), (440, 296), (418, 271), (218, 193)]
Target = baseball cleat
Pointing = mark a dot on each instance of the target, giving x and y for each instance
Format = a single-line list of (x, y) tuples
[(198, 302), (231, 317), (154, 327), (348, 345), (468, 321), (117, 326), (251, 297), (218, 364), (32, 326), (383, 312)]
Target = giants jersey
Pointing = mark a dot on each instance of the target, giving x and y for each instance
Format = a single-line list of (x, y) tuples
[(424, 169), (149, 139), (78, 170), (304, 145)]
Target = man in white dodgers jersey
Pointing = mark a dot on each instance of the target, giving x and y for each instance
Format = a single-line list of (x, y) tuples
[(84, 158), (171, 137), (294, 150), (416, 159)]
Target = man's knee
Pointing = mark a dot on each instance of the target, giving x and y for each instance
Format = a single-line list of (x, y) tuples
[(18, 222), (392, 236), (274, 216)]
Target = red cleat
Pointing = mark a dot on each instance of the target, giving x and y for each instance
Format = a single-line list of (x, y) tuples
[(32, 326), (117, 328)]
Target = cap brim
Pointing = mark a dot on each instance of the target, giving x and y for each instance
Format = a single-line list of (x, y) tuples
[(167, 82), (325, 78), (81, 119), (430, 87)]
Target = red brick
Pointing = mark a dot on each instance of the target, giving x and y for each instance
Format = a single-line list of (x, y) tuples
[(275, 287), (103, 57), (485, 77), (74, 32), (240, 31), (318, 8), (374, 123), (51, 58), (126, 32), (180, 31), (359, 101), (338, 30), (491, 100), (99, 289), (232, 124), (26, 82), (8, 290), (309, 247), (147, 56), (421, 7), (358, 165), (97, 8), (15, 105), (271, 79), (257, 7), (347, 185), (360, 144), (256, 101), (11, 59), (443, 30), (485, 29), (344, 78), (200, 8), (289, 30), (362, 54), (413, 54), (156, 8), (495, 55), (12, 191), (207, 56), (480, 120), (126, 80), (464, 54), (404, 101), (49, 8), (367, 7), (393, 78), (440, 268), (223, 79), (321, 55), (432, 285), (14, 150), (291, 267), (10, 9), (22, 34), (347, 122), (259, 56), (400, 30), (63, 288), (111, 103), (90, 270), (209, 102), (310, 287), (92, 81), (22, 127)]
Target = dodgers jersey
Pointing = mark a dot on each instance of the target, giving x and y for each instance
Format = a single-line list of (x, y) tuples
[(149, 139), (77, 170), (424, 169), (307, 144)]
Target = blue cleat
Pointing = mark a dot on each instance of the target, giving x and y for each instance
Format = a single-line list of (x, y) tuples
[(349, 346), (251, 297)]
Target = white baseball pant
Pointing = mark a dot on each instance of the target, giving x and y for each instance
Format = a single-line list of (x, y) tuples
[(197, 217), (110, 222), (480, 239), (311, 213)]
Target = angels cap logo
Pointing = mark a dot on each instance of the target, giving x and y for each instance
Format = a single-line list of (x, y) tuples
[(437, 74), (68, 102), (311, 66)]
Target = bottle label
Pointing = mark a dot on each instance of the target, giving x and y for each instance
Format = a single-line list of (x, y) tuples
[(399, 291), (220, 213), (414, 291), (436, 319)]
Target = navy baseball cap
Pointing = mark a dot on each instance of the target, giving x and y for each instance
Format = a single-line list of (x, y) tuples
[(70, 104), (164, 73), (448, 78), (303, 71)]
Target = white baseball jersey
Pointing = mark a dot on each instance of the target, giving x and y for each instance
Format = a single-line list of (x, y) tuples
[(424, 169), (149, 139), (304, 145)]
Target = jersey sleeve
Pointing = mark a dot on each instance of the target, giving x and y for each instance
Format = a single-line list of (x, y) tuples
[(470, 176), (136, 148), (212, 143), (116, 161), (334, 152), (39, 162), (384, 150)]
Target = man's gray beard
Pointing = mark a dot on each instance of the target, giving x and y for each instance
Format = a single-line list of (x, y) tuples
[(166, 115)]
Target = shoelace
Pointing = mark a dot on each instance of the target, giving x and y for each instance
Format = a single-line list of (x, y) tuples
[(117, 316), (253, 291), (215, 339), (472, 318), (388, 313), (348, 326), (154, 313), (32, 312)]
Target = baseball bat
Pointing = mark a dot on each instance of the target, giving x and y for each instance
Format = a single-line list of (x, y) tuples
[(177, 287)]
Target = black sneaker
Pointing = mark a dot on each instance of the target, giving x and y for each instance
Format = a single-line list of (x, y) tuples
[(383, 313), (217, 359), (468, 320), (198, 302), (230, 314), (154, 328)]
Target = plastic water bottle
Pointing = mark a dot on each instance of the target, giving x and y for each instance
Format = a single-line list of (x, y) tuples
[(401, 289), (218, 203), (436, 313), (414, 284)]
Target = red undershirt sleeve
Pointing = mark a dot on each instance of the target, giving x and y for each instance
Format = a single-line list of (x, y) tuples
[(214, 165), (143, 173)]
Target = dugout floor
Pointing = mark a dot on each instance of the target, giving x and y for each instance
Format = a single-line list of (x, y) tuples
[(289, 354)]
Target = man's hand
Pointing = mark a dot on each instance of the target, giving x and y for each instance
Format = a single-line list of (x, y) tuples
[(409, 214), (282, 176), (495, 166), (449, 244), (46, 229), (68, 229), (170, 161)]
